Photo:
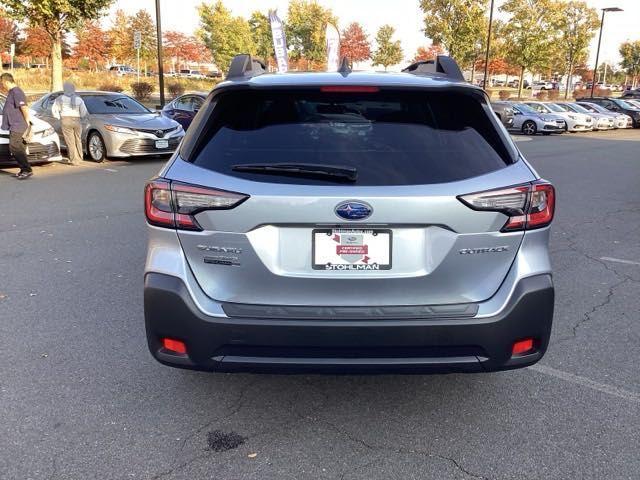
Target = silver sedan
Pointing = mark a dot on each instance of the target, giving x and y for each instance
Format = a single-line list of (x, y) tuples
[(118, 126)]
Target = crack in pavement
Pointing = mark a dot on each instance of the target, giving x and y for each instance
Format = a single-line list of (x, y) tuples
[(54, 472), (588, 315), (385, 448), (403, 450), (238, 405)]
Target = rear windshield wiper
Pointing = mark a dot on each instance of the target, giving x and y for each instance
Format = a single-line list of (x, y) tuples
[(335, 172)]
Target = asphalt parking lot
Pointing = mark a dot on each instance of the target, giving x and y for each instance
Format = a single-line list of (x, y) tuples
[(82, 398)]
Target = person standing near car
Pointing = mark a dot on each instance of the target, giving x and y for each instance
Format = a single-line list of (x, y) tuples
[(69, 108), (16, 119)]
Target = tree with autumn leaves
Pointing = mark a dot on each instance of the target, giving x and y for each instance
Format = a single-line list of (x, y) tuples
[(354, 44), (184, 49), (56, 18), (92, 46), (9, 34)]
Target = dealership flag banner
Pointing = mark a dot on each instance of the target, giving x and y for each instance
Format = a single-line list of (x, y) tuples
[(279, 41), (333, 48)]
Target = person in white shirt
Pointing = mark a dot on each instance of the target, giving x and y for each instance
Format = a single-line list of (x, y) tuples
[(69, 108)]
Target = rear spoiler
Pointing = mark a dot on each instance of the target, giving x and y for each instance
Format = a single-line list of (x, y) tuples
[(441, 66), (244, 66)]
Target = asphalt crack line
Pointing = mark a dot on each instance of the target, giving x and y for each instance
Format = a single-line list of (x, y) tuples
[(402, 450), (587, 316), (238, 402), (588, 383)]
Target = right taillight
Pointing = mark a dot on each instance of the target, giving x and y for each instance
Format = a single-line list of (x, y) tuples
[(528, 206), (174, 205)]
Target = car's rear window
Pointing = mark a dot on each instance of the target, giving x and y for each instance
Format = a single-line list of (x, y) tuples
[(389, 137)]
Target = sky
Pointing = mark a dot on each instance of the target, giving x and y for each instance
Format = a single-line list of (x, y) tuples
[(403, 15)]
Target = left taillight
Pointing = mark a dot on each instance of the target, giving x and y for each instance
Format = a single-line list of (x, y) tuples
[(174, 204), (527, 206)]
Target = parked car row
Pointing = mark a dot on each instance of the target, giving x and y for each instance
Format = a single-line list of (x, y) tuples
[(116, 126), (119, 126), (587, 114)]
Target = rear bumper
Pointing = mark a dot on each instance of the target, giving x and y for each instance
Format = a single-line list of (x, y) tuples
[(347, 346)]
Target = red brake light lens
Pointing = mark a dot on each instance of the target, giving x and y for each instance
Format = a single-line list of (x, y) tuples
[(528, 206), (157, 203), (350, 88), (542, 205), (173, 204)]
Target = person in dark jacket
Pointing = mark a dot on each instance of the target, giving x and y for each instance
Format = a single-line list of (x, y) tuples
[(16, 119)]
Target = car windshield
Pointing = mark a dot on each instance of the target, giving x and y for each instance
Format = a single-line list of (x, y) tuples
[(623, 104), (389, 138), (109, 104), (578, 108), (525, 109), (556, 108), (594, 107)]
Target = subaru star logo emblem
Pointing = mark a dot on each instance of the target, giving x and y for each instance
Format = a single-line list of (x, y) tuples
[(352, 210)]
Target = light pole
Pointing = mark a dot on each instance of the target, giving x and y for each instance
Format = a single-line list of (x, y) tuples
[(595, 68), (486, 56), (160, 61)]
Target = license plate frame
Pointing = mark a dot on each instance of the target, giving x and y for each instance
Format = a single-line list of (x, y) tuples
[(162, 144), (358, 265)]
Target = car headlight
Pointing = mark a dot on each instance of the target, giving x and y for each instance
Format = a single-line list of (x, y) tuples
[(48, 132), (117, 129), (547, 119), (572, 117)]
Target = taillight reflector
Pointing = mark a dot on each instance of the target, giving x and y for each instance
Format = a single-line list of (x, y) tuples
[(174, 204), (522, 346), (350, 88), (528, 206), (175, 346)]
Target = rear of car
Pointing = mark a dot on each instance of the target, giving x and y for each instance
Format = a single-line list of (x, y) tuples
[(504, 112), (362, 222)]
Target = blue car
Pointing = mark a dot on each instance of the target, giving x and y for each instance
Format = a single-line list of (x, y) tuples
[(184, 108)]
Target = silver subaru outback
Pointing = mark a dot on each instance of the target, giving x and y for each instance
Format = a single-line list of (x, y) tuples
[(348, 222)]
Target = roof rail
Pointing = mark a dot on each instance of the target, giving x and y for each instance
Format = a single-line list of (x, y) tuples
[(243, 66), (441, 65)]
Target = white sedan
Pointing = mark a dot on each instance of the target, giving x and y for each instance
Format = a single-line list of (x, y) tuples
[(45, 146), (575, 122)]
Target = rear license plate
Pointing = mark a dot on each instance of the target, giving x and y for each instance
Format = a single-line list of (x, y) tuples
[(160, 144), (351, 250)]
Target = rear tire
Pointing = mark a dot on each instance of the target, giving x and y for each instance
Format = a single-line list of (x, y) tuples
[(96, 147), (529, 127)]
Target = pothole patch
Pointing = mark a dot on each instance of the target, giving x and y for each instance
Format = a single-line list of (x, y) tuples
[(220, 441)]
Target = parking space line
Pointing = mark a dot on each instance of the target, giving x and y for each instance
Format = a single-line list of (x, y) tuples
[(585, 382), (619, 260)]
